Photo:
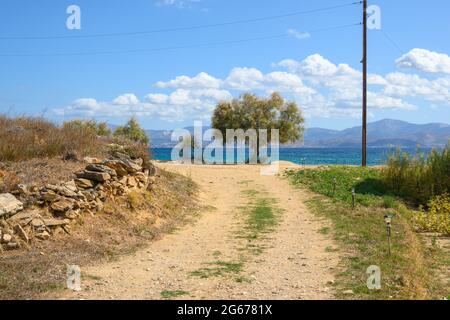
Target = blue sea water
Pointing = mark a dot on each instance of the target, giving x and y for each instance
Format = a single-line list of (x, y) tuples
[(318, 156)]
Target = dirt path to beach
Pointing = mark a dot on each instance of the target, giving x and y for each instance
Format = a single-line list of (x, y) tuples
[(256, 240)]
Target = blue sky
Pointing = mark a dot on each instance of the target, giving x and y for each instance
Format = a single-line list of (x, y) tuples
[(62, 78)]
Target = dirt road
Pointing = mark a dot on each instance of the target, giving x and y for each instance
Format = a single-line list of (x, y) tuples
[(256, 240)]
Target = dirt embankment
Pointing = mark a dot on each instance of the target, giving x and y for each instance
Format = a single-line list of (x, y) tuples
[(121, 223)]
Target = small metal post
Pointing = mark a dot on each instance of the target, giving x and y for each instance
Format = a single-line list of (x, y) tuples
[(334, 186), (353, 198), (388, 220)]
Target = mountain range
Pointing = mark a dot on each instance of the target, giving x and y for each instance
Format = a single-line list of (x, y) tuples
[(383, 133)]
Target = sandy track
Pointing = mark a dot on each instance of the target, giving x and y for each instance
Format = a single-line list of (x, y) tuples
[(294, 265)]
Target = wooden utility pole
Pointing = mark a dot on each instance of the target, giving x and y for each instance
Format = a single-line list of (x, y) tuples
[(364, 94)]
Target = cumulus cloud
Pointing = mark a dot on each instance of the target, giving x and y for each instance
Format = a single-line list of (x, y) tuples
[(425, 60), (320, 87), (126, 99), (202, 80), (411, 85)]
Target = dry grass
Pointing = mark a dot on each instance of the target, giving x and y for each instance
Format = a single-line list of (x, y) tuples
[(38, 272), (24, 138)]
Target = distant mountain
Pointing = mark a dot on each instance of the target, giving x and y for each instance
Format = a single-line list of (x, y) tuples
[(384, 133)]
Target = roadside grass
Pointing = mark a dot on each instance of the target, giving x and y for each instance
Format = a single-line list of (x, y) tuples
[(167, 294), (260, 218), (261, 215), (407, 273)]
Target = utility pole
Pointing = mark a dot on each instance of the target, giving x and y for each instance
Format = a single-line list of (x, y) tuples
[(364, 94)]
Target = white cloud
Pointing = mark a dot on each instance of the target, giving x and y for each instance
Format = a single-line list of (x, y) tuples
[(298, 34), (176, 3), (245, 79), (425, 60), (202, 80), (126, 99), (320, 87), (412, 85)]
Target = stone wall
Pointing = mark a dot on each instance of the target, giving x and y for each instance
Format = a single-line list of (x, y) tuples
[(53, 208)]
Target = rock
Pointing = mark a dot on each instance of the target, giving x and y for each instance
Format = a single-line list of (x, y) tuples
[(84, 183), (9, 205), (21, 233), (68, 189), (6, 238), (141, 177), (24, 218), (63, 205), (91, 160), (122, 164), (72, 214), (118, 166), (37, 223), (12, 246), (44, 235), (138, 161), (55, 222), (21, 189), (70, 185), (123, 181), (94, 176), (348, 292), (132, 182), (152, 170), (98, 205), (101, 168), (49, 196)]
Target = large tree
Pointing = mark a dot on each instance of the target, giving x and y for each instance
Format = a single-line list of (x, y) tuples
[(253, 112)]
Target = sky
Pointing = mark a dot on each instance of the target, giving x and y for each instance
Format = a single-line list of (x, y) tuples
[(169, 62)]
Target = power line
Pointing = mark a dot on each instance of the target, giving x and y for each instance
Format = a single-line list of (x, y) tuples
[(392, 42), (205, 26), (174, 47)]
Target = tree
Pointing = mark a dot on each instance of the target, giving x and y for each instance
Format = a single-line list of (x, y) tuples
[(132, 131), (252, 112)]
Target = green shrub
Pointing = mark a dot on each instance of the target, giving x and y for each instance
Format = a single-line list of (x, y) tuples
[(437, 218), (132, 131), (418, 178), (97, 128)]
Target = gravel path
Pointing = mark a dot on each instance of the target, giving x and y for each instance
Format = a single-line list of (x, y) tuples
[(210, 259)]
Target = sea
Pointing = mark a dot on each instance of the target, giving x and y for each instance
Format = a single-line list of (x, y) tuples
[(320, 156)]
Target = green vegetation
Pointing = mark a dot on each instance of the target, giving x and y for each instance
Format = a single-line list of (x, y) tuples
[(96, 128), (408, 273), (260, 218), (132, 131), (418, 178), (437, 218), (173, 294), (252, 112)]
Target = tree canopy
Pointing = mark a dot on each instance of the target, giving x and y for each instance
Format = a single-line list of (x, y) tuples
[(253, 112), (133, 131)]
